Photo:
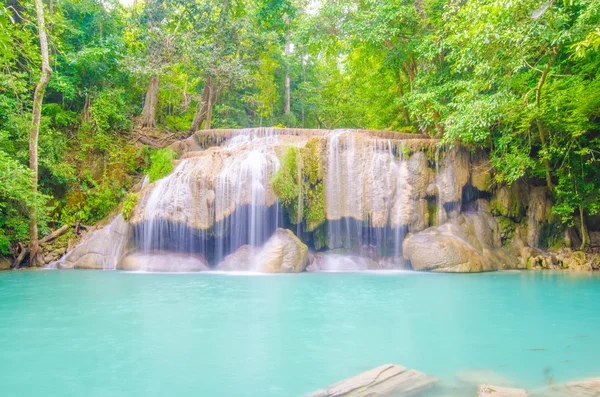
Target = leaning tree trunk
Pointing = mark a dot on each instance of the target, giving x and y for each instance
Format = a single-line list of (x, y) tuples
[(209, 108), (148, 117), (202, 107), (38, 98)]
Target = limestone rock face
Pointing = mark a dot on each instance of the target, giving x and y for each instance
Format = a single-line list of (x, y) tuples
[(469, 243), (163, 262), (581, 388), (102, 250), (498, 391), (481, 174), (385, 380), (282, 253)]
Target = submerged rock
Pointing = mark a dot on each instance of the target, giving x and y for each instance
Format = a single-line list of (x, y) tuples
[(282, 253), (102, 250), (385, 380), (580, 388), (498, 391), (163, 262)]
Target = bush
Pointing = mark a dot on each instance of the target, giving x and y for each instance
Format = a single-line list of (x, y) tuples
[(161, 163), (128, 205), (109, 111)]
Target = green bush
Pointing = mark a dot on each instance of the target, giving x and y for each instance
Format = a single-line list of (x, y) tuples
[(161, 163), (109, 111), (128, 205)]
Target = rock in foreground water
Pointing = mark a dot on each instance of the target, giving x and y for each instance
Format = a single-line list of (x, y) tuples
[(385, 380), (497, 391), (579, 388)]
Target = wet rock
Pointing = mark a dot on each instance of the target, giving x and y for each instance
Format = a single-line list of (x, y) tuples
[(4, 263), (453, 175), (499, 391), (163, 262), (481, 174), (242, 260), (385, 380), (581, 388), (511, 201), (468, 243), (100, 250), (282, 253)]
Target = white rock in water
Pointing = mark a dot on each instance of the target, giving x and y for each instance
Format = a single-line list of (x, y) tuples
[(497, 391), (579, 388), (385, 380), (282, 253)]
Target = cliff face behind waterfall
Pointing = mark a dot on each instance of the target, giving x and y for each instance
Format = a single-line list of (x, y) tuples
[(359, 200)]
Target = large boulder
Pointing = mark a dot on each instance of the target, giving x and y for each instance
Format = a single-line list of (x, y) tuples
[(163, 262), (385, 380), (102, 250), (469, 243), (282, 253)]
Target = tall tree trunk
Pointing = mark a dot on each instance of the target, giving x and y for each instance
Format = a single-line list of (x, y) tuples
[(148, 117), (585, 237), (540, 123), (38, 99), (288, 51)]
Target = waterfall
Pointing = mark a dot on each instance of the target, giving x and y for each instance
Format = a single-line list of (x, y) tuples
[(220, 198), (215, 200), (367, 197)]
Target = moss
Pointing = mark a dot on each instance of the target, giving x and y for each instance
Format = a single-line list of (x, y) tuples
[(507, 228), (128, 205), (432, 211), (299, 181)]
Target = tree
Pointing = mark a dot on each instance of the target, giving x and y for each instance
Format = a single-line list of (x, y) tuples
[(38, 99)]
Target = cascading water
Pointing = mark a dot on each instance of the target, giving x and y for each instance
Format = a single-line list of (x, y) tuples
[(367, 197), (219, 199), (215, 200)]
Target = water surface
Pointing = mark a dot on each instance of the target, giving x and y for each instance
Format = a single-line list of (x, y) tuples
[(86, 333)]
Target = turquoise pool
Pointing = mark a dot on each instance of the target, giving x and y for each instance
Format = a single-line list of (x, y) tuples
[(86, 333)]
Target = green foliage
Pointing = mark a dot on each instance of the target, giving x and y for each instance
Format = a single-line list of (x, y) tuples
[(109, 112), (299, 182), (16, 199), (285, 180), (161, 164), (128, 205)]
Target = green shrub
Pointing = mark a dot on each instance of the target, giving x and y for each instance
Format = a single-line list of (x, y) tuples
[(128, 205), (288, 186), (109, 111), (161, 163)]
